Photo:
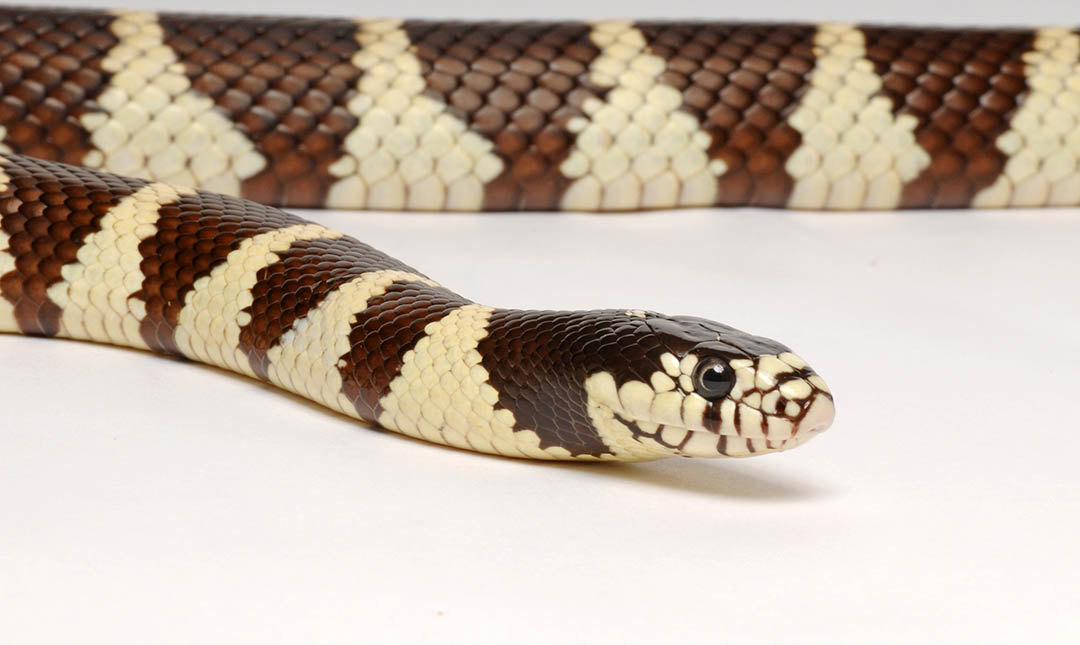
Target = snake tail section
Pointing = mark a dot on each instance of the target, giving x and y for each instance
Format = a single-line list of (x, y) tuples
[(601, 116)]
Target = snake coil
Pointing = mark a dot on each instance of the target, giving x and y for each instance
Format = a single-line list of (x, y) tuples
[(143, 157)]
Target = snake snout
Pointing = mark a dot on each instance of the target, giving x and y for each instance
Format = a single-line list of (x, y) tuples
[(817, 418)]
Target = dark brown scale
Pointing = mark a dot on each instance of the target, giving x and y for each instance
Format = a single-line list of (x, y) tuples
[(47, 211), (517, 84), (741, 82), (963, 86), (390, 325), (285, 83), (50, 70), (287, 290), (194, 235)]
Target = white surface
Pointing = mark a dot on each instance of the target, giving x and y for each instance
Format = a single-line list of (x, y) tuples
[(149, 500)]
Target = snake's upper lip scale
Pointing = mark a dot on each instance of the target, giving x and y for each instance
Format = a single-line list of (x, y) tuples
[(817, 418)]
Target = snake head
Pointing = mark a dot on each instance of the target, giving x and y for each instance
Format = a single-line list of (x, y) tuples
[(698, 388)]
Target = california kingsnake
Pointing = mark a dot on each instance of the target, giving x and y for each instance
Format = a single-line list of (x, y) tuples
[(481, 116)]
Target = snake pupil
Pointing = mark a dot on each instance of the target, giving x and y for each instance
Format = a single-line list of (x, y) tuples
[(714, 379)]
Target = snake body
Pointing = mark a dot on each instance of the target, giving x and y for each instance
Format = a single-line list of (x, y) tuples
[(250, 288), (143, 155)]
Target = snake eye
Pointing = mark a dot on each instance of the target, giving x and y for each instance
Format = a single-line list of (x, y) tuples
[(713, 378)]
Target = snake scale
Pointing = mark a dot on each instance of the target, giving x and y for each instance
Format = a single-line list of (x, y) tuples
[(143, 158)]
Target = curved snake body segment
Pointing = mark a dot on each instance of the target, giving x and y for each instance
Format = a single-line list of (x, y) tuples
[(232, 283), (612, 115)]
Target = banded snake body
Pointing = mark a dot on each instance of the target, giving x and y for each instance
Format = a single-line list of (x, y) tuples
[(143, 155)]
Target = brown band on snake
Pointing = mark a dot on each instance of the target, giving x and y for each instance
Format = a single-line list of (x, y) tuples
[(284, 83), (963, 87), (47, 211), (50, 73), (517, 84), (527, 346), (741, 81), (381, 334), (287, 290), (194, 235)]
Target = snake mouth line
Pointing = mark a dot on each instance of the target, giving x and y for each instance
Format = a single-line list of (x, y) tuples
[(704, 443), (701, 443)]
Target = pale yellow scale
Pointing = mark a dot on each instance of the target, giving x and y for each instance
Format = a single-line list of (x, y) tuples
[(855, 153), (95, 293), (209, 324), (442, 393), (406, 151), (636, 149), (1043, 140), (154, 125)]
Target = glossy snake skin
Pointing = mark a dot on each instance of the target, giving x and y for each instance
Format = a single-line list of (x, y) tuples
[(131, 141)]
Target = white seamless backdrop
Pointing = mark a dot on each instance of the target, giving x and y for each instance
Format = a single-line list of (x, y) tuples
[(151, 500)]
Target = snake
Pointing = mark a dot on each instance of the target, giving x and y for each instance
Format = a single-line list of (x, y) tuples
[(145, 157)]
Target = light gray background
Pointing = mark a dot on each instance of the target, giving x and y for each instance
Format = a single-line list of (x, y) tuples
[(149, 500)]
